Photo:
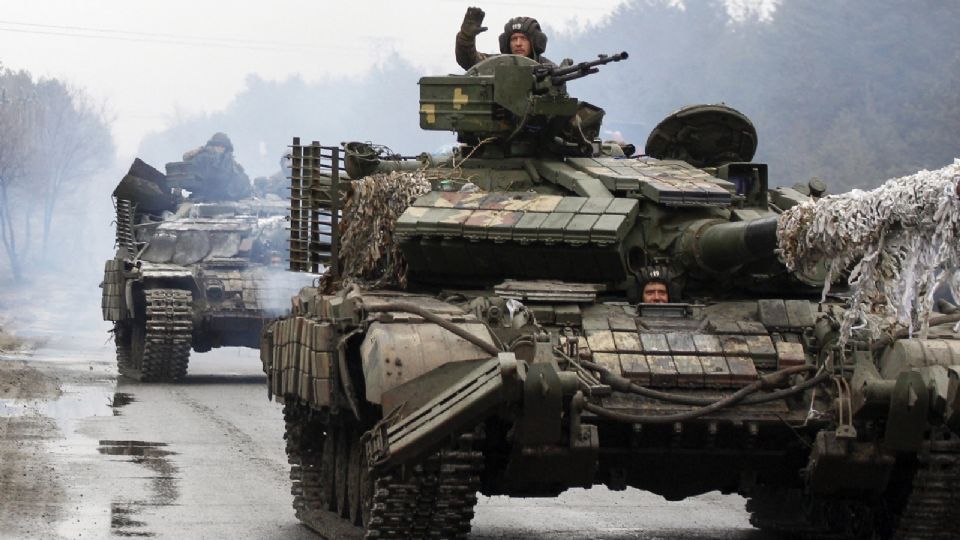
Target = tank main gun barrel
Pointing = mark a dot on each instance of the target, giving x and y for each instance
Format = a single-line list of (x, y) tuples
[(559, 75), (720, 246)]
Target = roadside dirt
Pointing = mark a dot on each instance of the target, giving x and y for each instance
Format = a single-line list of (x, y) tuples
[(32, 492), (18, 381)]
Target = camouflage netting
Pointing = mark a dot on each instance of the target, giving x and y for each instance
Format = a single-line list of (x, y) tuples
[(901, 241), (369, 256)]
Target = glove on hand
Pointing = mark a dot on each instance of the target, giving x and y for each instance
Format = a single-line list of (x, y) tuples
[(472, 21)]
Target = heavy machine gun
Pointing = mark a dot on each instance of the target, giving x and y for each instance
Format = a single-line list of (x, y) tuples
[(565, 73), (528, 111)]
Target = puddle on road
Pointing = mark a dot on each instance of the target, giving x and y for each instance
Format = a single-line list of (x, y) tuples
[(121, 399), (163, 484), (75, 402), (123, 521)]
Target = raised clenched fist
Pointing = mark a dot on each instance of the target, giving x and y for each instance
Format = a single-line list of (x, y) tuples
[(472, 21)]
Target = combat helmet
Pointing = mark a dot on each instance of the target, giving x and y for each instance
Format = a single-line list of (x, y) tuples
[(654, 273), (220, 139), (527, 26), (657, 273)]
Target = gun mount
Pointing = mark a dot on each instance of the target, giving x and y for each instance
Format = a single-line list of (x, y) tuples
[(510, 105)]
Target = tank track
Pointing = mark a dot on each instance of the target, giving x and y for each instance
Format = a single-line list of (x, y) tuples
[(933, 506), (929, 511), (433, 499), (121, 337), (167, 339)]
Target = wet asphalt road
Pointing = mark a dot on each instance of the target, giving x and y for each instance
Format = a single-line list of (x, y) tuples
[(84, 454)]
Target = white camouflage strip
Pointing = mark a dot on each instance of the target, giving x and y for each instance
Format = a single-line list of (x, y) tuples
[(901, 240)]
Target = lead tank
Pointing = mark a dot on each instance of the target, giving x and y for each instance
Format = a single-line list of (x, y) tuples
[(192, 271), (490, 338)]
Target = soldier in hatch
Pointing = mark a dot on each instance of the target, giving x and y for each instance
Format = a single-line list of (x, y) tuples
[(521, 36), (656, 287)]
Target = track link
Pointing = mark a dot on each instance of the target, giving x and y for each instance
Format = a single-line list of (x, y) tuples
[(932, 507), (432, 499), (121, 337), (167, 337), (436, 499), (929, 511)]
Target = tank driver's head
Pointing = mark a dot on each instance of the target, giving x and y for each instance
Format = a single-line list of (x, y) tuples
[(656, 287)]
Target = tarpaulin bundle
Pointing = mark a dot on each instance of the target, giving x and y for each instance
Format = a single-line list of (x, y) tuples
[(899, 241)]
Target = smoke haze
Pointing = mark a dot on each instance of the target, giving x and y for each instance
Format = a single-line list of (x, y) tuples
[(853, 92)]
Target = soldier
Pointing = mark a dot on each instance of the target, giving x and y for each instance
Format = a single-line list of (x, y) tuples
[(217, 175), (656, 287), (521, 36)]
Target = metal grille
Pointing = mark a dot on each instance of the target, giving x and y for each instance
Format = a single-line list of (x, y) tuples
[(125, 218), (315, 203)]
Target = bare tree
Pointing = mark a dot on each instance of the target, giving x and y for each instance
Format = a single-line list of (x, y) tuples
[(75, 137), (53, 140), (17, 119)]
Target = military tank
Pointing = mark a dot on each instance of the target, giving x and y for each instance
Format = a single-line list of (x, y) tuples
[(191, 272), (513, 354)]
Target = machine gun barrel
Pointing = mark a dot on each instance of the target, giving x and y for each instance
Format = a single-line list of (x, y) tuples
[(577, 71)]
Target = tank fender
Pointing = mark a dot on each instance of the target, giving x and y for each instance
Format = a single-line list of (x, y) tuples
[(953, 398), (406, 434), (871, 392), (907, 420), (906, 354), (938, 381), (394, 354)]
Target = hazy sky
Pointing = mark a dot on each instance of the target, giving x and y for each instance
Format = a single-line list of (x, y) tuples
[(154, 61)]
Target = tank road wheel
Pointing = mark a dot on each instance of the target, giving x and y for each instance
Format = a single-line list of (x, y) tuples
[(169, 333)]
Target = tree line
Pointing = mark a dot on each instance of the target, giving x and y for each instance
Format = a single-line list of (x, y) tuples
[(53, 140), (851, 91)]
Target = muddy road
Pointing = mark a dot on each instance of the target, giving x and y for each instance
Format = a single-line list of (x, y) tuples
[(85, 454)]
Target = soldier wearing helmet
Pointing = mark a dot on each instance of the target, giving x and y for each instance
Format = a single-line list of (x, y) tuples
[(655, 286), (521, 36)]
